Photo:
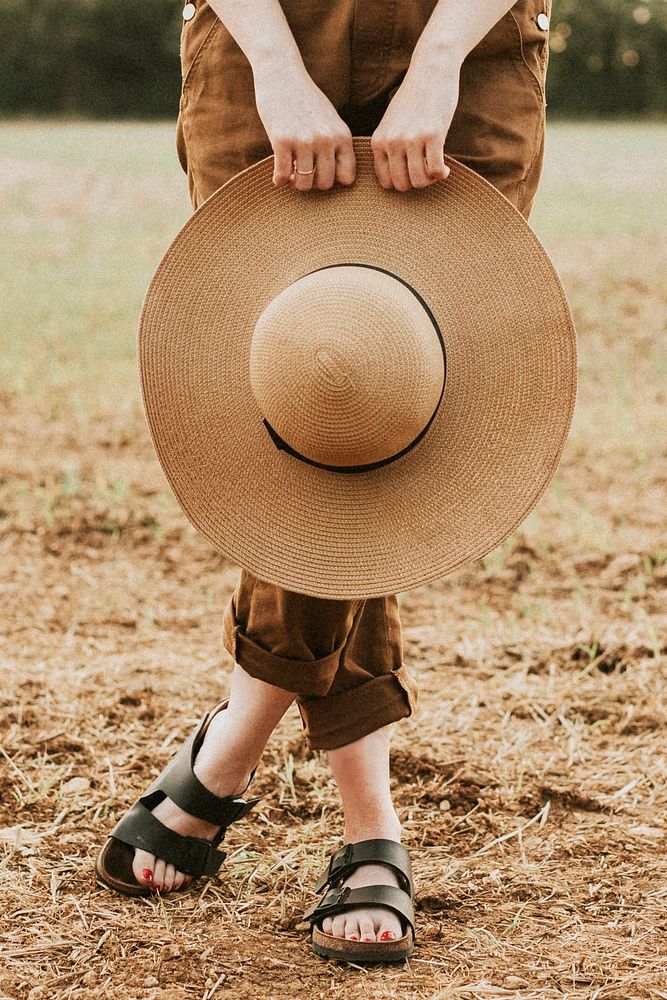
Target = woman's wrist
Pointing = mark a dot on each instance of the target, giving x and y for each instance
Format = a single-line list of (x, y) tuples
[(437, 58), (271, 67)]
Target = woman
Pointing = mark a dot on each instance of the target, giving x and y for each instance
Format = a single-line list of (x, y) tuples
[(298, 79)]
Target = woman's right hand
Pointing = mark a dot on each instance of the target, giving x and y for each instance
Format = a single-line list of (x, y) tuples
[(305, 132)]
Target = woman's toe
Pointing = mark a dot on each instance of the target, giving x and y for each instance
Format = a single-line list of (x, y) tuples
[(389, 929), (169, 876), (142, 867), (352, 932), (326, 925), (179, 881), (158, 874), (366, 929), (338, 925)]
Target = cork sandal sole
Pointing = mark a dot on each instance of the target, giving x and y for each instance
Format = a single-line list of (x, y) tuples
[(362, 951)]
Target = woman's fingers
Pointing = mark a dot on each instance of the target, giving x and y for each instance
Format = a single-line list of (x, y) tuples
[(407, 163), (419, 175), (398, 167), (346, 163), (381, 162), (283, 163), (398, 164), (304, 164), (325, 170), (315, 165), (435, 159)]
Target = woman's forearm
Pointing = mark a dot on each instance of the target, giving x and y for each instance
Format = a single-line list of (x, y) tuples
[(260, 29), (454, 29)]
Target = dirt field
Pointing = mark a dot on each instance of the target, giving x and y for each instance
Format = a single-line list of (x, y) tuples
[(533, 782)]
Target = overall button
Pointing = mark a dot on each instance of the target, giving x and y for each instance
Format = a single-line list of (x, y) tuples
[(542, 20), (190, 10)]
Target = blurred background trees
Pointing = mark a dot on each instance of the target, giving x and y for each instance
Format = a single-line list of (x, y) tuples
[(90, 57), (608, 57), (114, 58)]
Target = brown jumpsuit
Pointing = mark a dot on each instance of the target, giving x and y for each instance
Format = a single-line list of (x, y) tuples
[(343, 659)]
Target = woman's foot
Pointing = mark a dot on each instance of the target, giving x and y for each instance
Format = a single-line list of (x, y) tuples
[(375, 923), (233, 744), (361, 770), (220, 769)]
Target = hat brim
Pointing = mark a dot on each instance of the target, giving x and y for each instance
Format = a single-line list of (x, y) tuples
[(487, 457)]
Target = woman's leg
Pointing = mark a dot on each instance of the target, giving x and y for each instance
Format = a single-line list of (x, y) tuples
[(361, 770), (371, 690), (233, 745)]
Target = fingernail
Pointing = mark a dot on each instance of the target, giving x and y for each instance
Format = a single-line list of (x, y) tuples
[(388, 936), (147, 874)]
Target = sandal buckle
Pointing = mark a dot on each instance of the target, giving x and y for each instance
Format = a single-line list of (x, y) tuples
[(338, 860), (328, 904), (242, 808), (338, 896), (203, 858)]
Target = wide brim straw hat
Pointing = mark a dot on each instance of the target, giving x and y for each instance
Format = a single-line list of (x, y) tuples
[(357, 391)]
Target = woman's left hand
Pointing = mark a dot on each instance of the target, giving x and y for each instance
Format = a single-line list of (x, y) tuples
[(408, 143)]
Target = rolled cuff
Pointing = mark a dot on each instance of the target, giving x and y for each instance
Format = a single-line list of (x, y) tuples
[(302, 677), (342, 718)]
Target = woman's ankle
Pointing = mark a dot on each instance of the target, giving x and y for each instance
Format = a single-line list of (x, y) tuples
[(372, 826), (226, 760)]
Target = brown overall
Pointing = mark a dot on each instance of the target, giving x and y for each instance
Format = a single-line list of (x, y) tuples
[(343, 659)]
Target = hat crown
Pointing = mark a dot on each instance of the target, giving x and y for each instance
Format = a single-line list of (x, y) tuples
[(347, 366)]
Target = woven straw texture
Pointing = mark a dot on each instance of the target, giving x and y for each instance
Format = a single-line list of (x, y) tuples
[(346, 366), (501, 426)]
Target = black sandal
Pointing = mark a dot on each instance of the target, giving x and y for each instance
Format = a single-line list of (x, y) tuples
[(139, 827), (339, 898)]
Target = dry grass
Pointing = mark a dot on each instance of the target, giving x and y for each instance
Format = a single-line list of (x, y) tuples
[(532, 783)]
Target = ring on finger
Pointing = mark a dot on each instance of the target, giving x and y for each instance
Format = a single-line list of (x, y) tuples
[(304, 173)]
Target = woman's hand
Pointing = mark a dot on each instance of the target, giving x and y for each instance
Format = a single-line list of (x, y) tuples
[(311, 143), (408, 143)]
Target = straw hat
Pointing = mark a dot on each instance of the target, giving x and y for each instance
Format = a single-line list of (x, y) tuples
[(357, 391)]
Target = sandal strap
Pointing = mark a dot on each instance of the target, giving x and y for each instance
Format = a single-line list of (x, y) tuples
[(386, 852), (339, 900), (139, 828), (178, 782)]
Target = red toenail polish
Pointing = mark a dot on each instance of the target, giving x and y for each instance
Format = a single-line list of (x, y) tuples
[(388, 936), (147, 874), (353, 937)]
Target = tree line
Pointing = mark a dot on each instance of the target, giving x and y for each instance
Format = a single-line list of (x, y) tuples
[(116, 58)]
